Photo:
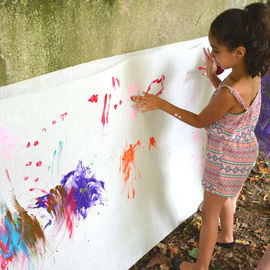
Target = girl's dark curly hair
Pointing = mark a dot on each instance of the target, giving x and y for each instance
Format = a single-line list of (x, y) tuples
[(249, 28)]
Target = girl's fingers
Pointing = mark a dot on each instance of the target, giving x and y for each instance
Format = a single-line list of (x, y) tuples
[(208, 51), (205, 54)]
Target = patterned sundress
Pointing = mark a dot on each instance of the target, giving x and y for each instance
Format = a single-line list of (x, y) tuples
[(231, 148)]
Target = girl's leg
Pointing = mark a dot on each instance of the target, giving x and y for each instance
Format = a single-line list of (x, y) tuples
[(226, 221), (212, 206)]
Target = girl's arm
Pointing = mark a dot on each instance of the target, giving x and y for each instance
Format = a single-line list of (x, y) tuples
[(217, 107)]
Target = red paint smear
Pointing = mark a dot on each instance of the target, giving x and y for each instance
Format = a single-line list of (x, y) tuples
[(53, 122), (152, 142), (104, 108), (201, 68), (120, 102), (70, 210), (26, 178), (39, 163), (28, 164), (127, 163), (62, 116), (115, 106), (93, 98), (28, 145), (113, 82), (158, 81), (36, 143), (8, 177), (38, 189), (36, 180), (108, 110)]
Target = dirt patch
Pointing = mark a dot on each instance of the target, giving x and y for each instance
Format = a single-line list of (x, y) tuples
[(251, 232)]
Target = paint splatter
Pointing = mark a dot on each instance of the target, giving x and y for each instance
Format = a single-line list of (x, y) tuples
[(157, 81), (115, 80), (39, 163), (133, 90), (93, 98), (20, 235), (8, 142), (127, 165), (78, 191), (63, 115), (152, 143), (28, 164), (53, 122), (36, 143), (106, 109)]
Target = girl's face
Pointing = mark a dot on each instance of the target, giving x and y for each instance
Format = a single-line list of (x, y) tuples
[(224, 57)]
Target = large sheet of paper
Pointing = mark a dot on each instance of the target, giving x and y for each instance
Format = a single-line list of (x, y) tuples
[(88, 182)]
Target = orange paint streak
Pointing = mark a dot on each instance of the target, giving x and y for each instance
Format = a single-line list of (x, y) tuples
[(126, 166), (152, 142)]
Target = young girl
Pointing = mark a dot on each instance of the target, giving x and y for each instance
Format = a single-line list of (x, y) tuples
[(240, 40)]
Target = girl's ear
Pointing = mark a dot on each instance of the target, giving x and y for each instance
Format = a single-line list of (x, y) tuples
[(240, 51)]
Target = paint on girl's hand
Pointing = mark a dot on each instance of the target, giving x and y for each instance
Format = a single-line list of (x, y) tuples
[(127, 167), (78, 191), (8, 142), (93, 98), (158, 81)]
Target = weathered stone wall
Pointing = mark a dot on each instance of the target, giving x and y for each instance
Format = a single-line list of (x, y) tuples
[(41, 36)]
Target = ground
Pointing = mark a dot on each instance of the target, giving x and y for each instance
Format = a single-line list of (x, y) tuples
[(251, 232)]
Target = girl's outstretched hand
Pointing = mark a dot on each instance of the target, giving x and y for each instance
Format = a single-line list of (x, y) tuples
[(210, 63), (148, 101)]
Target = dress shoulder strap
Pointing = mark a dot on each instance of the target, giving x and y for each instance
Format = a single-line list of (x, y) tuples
[(236, 95)]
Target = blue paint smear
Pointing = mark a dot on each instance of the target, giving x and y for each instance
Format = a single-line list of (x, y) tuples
[(86, 189), (13, 239)]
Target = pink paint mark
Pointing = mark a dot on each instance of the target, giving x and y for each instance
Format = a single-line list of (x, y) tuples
[(26, 178), (8, 177), (196, 137), (187, 76), (38, 189), (126, 165), (133, 90), (53, 122), (187, 104), (193, 95), (36, 143), (28, 145), (28, 164), (37, 179), (8, 142), (93, 98), (120, 102), (157, 81), (104, 110), (115, 80), (63, 115), (38, 163), (152, 143), (115, 106), (44, 129), (108, 109)]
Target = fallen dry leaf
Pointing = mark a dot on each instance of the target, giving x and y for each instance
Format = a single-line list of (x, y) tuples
[(194, 244), (242, 242), (265, 197), (160, 259), (163, 248), (242, 197), (173, 249), (164, 267)]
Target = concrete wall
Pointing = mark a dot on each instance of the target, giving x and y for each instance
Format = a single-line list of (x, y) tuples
[(41, 36)]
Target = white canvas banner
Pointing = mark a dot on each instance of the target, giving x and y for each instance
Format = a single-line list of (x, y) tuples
[(87, 181)]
